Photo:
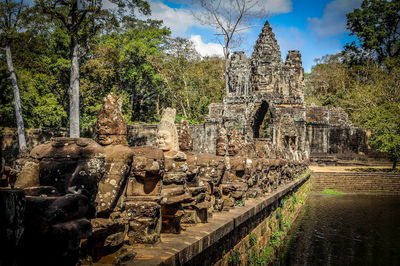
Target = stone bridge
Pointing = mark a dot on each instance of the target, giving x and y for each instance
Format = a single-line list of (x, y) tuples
[(231, 182)]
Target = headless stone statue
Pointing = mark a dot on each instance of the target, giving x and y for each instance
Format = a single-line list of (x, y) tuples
[(185, 138), (111, 127)]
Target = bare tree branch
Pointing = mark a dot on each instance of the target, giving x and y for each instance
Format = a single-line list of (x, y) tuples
[(229, 18)]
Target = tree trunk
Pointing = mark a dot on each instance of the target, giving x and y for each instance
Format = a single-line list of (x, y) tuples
[(394, 164), (187, 99), (74, 90), (226, 55), (226, 72), (17, 101), (158, 105)]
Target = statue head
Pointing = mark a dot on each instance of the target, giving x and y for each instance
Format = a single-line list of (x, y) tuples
[(167, 136), (164, 140)]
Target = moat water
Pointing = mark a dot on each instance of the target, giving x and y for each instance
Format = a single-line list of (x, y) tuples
[(345, 230)]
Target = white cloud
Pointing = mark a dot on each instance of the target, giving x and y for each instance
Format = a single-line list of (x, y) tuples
[(278, 6), (206, 49), (333, 21), (178, 20), (273, 6)]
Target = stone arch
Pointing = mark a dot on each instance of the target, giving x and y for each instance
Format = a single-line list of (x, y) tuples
[(262, 121)]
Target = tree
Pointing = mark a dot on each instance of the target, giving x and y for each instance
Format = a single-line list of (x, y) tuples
[(328, 82), (191, 82), (384, 120), (83, 19), (229, 17), (178, 60), (12, 19), (377, 26), (138, 46)]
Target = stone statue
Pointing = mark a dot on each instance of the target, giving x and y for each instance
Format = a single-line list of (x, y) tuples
[(185, 138), (167, 136), (222, 142), (235, 143), (111, 127)]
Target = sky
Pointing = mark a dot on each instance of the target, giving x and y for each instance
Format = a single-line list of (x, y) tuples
[(314, 27)]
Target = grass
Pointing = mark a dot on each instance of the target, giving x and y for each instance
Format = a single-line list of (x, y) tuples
[(331, 192), (239, 203)]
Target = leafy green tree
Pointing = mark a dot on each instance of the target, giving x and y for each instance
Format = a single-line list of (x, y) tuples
[(139, 46), (376, 24), (384, 120), (82, 20), (191, 82), (328, 82), (178, 59), (100, 76)]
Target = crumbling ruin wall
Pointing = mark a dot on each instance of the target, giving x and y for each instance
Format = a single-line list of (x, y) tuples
[(329, 131), (34, 137)]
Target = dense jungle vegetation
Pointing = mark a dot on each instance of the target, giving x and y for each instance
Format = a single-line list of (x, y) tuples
[(137, 59)]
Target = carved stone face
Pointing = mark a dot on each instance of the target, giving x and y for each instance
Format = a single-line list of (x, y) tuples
[(164, 140)]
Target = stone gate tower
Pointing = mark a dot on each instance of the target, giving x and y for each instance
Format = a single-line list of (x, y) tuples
[(265, 102)]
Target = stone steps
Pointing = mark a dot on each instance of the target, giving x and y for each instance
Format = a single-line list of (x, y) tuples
[(377, 183)]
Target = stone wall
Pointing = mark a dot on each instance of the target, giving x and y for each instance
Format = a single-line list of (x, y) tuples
[(329, 131), (361, 182), (257, 240), (34, 137)]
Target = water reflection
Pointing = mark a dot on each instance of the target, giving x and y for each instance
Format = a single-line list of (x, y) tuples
[(346, 230)]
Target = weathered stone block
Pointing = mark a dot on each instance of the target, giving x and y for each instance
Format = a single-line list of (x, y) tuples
[(144, 222)]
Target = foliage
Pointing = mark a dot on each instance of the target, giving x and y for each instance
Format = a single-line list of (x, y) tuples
[(133, 58), (276, 238), (385, 122), (279, 218), (253, 240), (239, 203), (331, 192), (191, 82), (286, 224), (235, 258), (376, 24), (14, 16)]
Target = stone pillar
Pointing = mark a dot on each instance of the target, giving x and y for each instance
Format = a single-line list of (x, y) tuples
[(324, 140)]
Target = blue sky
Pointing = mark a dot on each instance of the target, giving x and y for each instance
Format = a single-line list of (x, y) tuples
[(315, 27)]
